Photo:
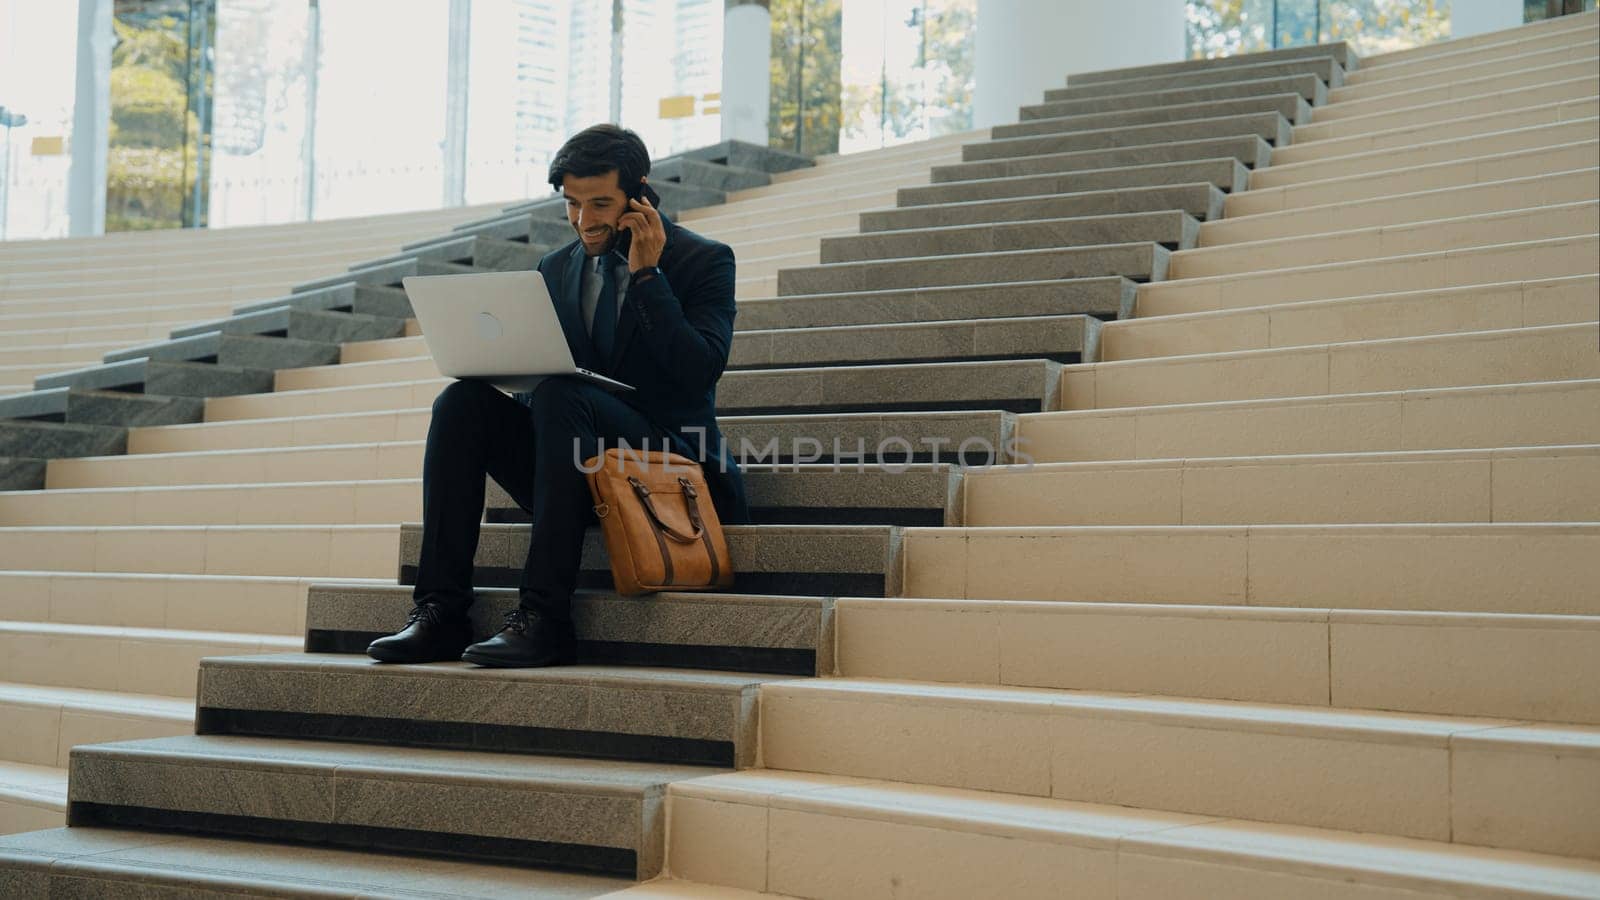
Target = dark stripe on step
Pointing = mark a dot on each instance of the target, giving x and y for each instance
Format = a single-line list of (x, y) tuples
[(510, 851), (465, 736), (758, 660), (806, 584)]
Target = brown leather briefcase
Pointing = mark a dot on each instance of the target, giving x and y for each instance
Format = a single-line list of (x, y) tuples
[(660, 528)]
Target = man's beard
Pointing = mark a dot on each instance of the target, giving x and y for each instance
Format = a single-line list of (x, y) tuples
[(611, 236)]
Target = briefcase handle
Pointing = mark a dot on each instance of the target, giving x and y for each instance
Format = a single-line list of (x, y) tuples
[(691, 500)]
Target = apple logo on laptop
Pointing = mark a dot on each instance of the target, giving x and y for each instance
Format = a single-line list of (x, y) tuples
[(489, 327)]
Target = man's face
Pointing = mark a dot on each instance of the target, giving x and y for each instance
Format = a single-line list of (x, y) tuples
[(594, 204)]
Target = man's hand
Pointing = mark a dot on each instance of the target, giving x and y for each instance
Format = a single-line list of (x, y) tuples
[(649, 235)]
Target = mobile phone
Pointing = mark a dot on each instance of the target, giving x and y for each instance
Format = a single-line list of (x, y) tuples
[(639, 189)]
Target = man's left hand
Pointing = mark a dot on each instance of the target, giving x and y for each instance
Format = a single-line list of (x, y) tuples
[(649, 235)]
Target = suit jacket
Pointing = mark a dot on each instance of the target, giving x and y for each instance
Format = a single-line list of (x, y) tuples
[(671, 345)]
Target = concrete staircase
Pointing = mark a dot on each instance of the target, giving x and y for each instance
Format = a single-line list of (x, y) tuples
[(1192, 490)]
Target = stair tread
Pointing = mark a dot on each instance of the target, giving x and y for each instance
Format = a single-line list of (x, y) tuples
[(1401, 862), (573, 775), (153, 635), (114, 702)]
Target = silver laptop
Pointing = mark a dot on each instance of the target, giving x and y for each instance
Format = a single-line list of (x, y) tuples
[(499, 327)]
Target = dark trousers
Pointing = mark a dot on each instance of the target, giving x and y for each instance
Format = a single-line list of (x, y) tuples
[(533, 452)]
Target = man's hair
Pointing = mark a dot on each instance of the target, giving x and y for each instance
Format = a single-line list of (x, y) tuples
[(599, 149)]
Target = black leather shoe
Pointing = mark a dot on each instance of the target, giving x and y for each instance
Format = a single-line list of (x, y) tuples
[(525, 641), (431, 635)]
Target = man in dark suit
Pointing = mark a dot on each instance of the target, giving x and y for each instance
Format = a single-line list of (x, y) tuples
[(642, 300)]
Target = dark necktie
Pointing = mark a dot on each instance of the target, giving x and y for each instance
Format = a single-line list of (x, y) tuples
[(603, 329)]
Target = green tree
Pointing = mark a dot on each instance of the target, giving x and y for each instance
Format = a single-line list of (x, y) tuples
[(806, 96), (154, 133)]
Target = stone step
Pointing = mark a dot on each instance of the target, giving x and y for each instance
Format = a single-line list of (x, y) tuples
[(1200, 200), (835, 493), (112, 408), (31, 797), (1137, 261), (659, 715), (1423, 777), (1462, 267), (1531, 222), (1446, 74), (45, 723), (1447, 150), (1326, 68), (1339, 51), (1549, 160), (701, 173), (745, 155), (1519, 484), (1510, 567), (1271, 127), (120, 864), (559, 813), (1227, 174), (252, 351), (1547, 413), (1476, 86), (1025, 385), (1250, 150), (1402, 661), (1447, 110), (786, 495), (1107, 298), (1506, 356), (128, 660), (759, 438), (49, 440), (1412, 136), (1173, 229), (808, 560), (1307, 87), (324, 325), (725, 631), (765, 829), (21, 473), (300, 551), (1150, 109), (254, 605), (1066, 339), (1372, 317), (1439, 203), (164, 377), (1456, 53), (499, 255)]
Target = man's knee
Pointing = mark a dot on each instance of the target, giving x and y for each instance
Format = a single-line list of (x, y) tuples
[(559, 400), (462, 397)]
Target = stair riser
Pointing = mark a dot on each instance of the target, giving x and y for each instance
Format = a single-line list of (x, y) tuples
[(1411, 136), (304, 552), (1533, 223), (254, 606), (1458, 568), (1560, 258), (1493, 144), (1228, 174), (1105, 298), (111, 663), (1172, 230), (1386, 661), (1556, 486), (1407, 64), (1324, 68), (1555, 353), (1524, 164), (1308, 87), (1497, 196), (1338, 51), (1508, 101), (1429, 789), (1516, 305)]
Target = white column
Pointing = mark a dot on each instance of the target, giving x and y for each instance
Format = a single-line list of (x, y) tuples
[(746, 71), (91, 121), (1026, 46), (1470, 17), (455, 103)]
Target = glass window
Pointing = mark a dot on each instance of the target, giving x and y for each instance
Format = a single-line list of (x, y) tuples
[(1228, 27), (38, 78)]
